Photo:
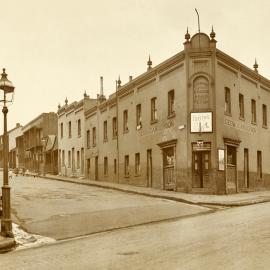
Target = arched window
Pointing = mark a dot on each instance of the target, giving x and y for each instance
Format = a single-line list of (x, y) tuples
[(201, 93)]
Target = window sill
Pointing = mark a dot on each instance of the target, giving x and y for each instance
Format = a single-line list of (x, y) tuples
[(264, 126), (88, 147), (126, 176), (105, 140), (171, 115), (228, 114), (94, 145), (125, 131), (241, 118), (79, 136), (254, 123), (138, 175), (114, 137)]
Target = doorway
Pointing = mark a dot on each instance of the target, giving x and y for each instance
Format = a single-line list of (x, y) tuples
[(149, 168), (96, 168), (88, 168), (201, 168), (246, 168), (169, 168)]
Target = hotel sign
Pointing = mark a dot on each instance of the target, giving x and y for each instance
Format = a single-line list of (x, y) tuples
[(201, 122)]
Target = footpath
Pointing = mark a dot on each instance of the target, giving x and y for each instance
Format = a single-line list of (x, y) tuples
[(232, 200)]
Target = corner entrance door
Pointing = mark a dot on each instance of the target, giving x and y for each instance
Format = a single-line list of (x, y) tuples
[(201, 162), (169, 168), (149, 167), (246, 168), (96, 168)]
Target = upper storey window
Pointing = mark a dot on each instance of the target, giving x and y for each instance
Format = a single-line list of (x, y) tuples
[(227, 100), (171, 111), (253, 111), (241, 107)]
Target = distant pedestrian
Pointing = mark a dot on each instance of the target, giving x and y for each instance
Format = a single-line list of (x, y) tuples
[(10, 174)]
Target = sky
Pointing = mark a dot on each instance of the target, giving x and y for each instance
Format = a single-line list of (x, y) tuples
[(53, 49)]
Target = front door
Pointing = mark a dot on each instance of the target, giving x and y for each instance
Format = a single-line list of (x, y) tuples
[(201, 167), (149, 167), (169, 168), (88, 168), (246, 168), (231, 169)]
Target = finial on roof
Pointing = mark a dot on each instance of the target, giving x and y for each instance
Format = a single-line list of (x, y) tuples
[(84, 94), (212, 34), (187, 35), (59, 106), (66, 101), (149, 63), (119, 82), (256, 66)]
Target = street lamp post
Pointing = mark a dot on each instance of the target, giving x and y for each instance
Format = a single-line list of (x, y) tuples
[(6, 222)]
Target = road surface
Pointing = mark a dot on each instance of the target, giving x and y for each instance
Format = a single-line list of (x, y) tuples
[(63, 210), (235, 239)]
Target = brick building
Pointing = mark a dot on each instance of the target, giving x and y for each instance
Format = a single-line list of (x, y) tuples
[(197, 122)]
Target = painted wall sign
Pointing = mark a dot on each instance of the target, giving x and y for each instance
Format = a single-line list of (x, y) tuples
[(221, 159), (239, 125), (201, 122)]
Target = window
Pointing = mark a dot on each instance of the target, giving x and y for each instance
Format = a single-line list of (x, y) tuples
[(264, 112), (105, 135), (69, 159), (253, 111), (105, 166), (94, 136), (231, 155), (114, 127), (125, 118), (138, 116), (78, 159), (88, 138), (127, 165), (241, 106), (259, 164), (153, 110), (69, 129), (171, 103), (114, 166), (62, 131), (227, 101), (79, 127), (137, 163), (63, 157)]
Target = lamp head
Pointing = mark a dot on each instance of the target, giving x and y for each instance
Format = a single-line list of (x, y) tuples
[(5, 84)]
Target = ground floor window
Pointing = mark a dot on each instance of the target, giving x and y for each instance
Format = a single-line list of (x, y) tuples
[(259, 164), (105, 166), (137, 163), (126, 165)]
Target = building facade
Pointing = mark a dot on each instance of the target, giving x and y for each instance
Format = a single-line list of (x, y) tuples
[(71, 137), (198, 122), (35, 135)]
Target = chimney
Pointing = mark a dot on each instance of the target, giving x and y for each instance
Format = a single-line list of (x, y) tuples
[(130, 78), (101, 86), (18, 125)]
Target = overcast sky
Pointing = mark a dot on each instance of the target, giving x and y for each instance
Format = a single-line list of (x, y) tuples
[(53, 49)]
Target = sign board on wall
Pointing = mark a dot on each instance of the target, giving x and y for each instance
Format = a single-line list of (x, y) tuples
[(201, 122), (221, 159)]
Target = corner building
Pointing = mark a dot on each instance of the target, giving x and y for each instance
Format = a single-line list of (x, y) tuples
[(198, 123)]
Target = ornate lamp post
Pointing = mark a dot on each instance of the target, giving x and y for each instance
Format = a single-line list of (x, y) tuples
[(6, 222)]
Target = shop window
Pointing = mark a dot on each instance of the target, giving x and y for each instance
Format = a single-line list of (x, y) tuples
[(69, 159), (78, 159), (63, 157), (227, 101), (114, 166), (241, 107)]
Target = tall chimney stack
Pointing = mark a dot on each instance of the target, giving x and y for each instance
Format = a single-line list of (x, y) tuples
[(130, 78), (101, 86)]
